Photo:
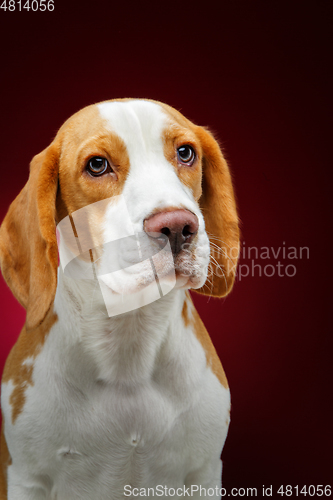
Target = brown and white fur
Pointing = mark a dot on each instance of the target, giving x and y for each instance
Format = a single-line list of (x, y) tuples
[(92, 404)]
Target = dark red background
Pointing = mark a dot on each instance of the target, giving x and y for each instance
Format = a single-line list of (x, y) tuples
[(257, 74)]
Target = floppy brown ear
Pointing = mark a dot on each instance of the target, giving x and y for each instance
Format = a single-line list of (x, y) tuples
[(218, 206), (28, 245)]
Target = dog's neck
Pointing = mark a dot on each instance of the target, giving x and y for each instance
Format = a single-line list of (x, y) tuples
[(124, 349)]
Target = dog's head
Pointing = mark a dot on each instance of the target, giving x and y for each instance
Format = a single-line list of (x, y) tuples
[(169, 173)]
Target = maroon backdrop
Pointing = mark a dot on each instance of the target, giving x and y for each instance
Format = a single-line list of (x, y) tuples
[(257, 74)]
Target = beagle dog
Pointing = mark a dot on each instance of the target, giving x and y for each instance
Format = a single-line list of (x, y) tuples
[(114, 389)]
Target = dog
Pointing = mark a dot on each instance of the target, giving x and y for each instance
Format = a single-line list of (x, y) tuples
[(114, 388)]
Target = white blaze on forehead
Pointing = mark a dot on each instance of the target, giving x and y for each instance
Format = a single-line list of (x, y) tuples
[(139, 124)]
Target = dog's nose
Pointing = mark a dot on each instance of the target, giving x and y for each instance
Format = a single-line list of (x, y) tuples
[(180, 226)]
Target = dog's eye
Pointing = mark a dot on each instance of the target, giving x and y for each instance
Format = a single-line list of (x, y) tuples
[(97, 165), (186, 155)]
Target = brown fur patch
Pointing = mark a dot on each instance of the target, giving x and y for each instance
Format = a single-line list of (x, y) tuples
[(191, 318), (218, 207), (29, 345), (77, 188), (175, 136), (185, 314), (28, 245), (5, 462)]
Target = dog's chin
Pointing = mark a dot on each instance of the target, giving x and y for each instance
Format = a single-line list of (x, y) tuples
[(187, 282), (190, 272)]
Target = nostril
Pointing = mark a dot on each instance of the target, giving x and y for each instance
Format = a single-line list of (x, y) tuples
[(186, 232), (166, 231)]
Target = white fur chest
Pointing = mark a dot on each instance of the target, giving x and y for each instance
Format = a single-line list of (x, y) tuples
[(88, 430)]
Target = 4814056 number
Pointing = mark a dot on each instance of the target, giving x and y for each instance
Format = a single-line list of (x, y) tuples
[(34, 5), (317, 491)]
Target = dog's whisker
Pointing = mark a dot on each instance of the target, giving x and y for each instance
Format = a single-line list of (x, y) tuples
[(224, 253), (222, 271)]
